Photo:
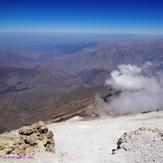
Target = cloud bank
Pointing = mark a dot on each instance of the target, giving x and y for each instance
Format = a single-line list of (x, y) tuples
[(139, 91)]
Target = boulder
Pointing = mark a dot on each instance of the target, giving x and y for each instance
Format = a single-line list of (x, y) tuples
[(31, 140), (9, 150), (38, 125), (26, 130), (43, 129)]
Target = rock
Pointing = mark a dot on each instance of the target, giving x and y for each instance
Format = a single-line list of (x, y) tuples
[(38, 125), (29, 140), (50, 147), (47, 141), (21, 141), (32, 140), (43, 129), (41, 137), (9, 150), (21, 150), (2, 147), (26, 130), (38, 134), (50, 135), (119, 143), (113, 151), (161, 134)]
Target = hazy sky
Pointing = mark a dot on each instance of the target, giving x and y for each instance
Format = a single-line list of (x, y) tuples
[(83, 16)]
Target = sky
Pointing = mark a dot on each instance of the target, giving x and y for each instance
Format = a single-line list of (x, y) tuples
[(82, 16)]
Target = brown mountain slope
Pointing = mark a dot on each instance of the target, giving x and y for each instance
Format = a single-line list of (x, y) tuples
[(27, 94)]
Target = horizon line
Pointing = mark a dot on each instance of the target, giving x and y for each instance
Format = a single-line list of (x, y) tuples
[(98, 33)]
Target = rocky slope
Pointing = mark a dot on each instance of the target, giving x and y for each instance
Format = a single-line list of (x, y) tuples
[(131, 145), (124, 139), (29, 92), (27, 141)]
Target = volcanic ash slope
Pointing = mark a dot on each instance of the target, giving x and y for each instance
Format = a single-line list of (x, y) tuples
[(93, 141)]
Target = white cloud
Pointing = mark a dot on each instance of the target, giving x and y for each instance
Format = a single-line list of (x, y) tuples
[(139, 92)]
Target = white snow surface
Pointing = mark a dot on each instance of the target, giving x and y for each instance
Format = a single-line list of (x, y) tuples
[(92, 141)]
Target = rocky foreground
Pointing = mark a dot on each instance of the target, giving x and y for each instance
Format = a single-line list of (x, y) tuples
[(27, 141), (125, 139)]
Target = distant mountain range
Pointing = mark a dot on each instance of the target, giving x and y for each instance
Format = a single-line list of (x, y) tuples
[(61, 81), (10, 58), (107, 55)]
